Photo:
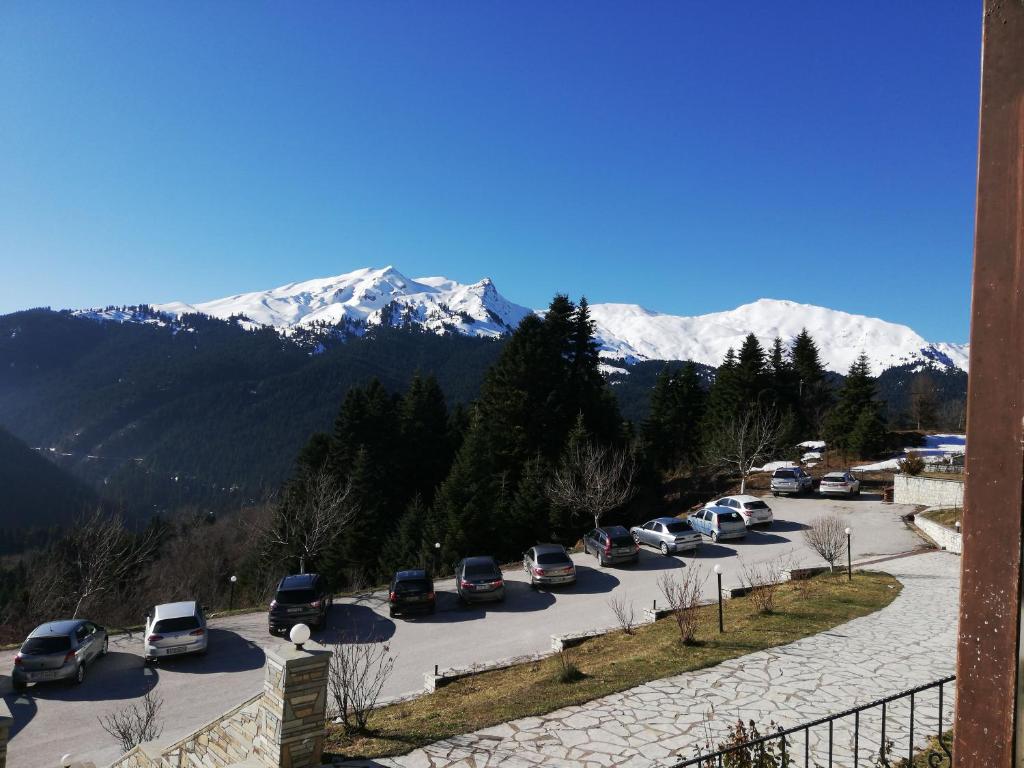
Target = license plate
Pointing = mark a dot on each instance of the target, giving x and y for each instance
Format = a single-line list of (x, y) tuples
[(176, 649), (295, 610), (484, 587), (44, 676), (624, 551)]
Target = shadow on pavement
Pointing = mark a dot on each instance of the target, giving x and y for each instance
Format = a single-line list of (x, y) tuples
[(227, 652), (589, 581), (114, 676), (786, 526), (858, 497), (22, 706), (653, 560), (709, 550), (349, 622), (763, 537)]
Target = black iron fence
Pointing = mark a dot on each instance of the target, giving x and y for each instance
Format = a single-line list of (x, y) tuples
[(888, 733)]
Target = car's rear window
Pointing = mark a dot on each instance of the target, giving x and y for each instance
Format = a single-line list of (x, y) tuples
[(43, 645), (295, 596), (482, 571), (785, 474), (413, 585), (680, 526), (730, 516), (756, 505), (621, 539), (834, 478), (179, 624), (553, 558)]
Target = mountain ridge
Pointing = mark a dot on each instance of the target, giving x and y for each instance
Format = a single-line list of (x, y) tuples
[(349, 304)]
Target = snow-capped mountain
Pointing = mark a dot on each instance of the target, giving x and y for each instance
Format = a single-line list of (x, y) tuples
[(629, 331), (367, 297)]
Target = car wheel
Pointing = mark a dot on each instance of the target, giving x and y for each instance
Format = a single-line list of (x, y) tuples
[(391, 612), (636, 538), (80, 674), (106, 644), (714, 537), (19, 685), (775, 493), (664, 549)]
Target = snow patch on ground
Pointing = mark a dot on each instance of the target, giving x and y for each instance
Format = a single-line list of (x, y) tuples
[(771, 466), (813, 445)]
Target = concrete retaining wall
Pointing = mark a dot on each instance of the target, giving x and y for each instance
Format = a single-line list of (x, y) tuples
[(947, 539), (929, 491)]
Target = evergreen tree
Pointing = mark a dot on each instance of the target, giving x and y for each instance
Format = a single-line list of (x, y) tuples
[(814, 397), (671, 432), (354, 558), (425, 444), (751, 375), (529, 514), (725, 398), (405, 549), (868, 436), (857, 409)]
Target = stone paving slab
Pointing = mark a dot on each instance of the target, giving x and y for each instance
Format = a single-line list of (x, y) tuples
[(909, 643)]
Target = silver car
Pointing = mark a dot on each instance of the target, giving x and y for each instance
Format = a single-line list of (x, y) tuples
[(174, 629), (549, 564), (839, 482), (58, 650), (752, 509), (791, 480), (669, 534), (718, 523)]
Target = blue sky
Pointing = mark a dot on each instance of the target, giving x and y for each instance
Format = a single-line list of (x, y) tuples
[(686, 156)]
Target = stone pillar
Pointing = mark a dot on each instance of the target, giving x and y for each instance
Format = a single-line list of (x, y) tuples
[(293, 711), (6, 721)]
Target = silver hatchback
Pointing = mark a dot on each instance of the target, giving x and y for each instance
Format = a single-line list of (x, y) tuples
[(669, 534), (58, 650), (175, 629)]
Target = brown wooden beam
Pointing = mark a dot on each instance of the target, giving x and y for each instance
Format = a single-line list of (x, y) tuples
[(987, 715)]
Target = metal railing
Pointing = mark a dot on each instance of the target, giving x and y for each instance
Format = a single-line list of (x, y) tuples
[(878, 733)]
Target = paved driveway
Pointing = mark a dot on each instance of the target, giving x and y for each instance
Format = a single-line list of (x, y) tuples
[(52, 721)]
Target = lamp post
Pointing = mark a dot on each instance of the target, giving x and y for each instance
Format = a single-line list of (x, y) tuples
[(437, 553), (849, 558), (721, 616), (231, 599)]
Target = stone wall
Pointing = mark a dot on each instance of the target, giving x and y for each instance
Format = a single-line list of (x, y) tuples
[(283, 726), (947, 539), (929, 491)]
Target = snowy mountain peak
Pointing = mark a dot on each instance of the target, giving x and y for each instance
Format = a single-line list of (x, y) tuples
[(367, 297)]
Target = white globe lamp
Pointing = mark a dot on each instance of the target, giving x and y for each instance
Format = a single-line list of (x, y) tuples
[(299, 635)]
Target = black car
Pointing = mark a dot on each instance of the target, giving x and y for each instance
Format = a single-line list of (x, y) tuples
[(411, 591), (478, 579), (611, 544), (300, 599)]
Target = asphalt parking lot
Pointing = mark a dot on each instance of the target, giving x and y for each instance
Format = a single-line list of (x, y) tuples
[(51, 721)]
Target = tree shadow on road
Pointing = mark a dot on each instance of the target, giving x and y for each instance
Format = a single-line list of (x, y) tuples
[(228, 652), (786, 526), (655, 561), (763, 537), (710, 550), (350, 622)]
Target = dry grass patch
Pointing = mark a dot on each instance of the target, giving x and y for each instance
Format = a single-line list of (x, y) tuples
[(616, 662), (948, 517)]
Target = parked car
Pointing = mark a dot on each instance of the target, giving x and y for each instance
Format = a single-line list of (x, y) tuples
[(839, 482), (610, 545), (300, 599), (174, 629), (669, 534), (753, 510), (791, 480), (549, 564), (411, 591), (718, 523), (479, 579), (58, 650)]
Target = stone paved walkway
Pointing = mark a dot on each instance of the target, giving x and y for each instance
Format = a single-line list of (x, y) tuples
[(909, 643)]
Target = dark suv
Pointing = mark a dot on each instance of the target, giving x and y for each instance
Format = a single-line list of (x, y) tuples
[(300, 599), (411, 591), (611, 544)]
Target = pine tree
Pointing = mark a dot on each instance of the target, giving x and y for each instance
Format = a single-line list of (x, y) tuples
[(857, 409), (529, 512), (405, 549), (670, 433), (425, 444), (751, 375), (814, 397)]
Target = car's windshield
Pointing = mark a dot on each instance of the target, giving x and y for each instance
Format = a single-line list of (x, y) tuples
[(482, 571), (413, 585), (553, 558), (295, 596), (678, 526), (43, 645), (180, 624)]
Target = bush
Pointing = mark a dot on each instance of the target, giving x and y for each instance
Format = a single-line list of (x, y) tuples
[(913, 464), (683, 595), (568, 672)]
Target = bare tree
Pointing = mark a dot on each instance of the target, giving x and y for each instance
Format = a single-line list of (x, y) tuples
[(357, 675), (593, 479), (96, 557), (624, 613), (746, 440), (136, 723), (683, 594), (312, 516), (827, 537), (763, 580)]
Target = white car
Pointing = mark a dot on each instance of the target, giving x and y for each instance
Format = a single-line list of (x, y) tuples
[(753, 510), (839, 482), (175, 629)]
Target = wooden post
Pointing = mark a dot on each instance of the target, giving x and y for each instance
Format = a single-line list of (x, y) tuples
[(988, 706)]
